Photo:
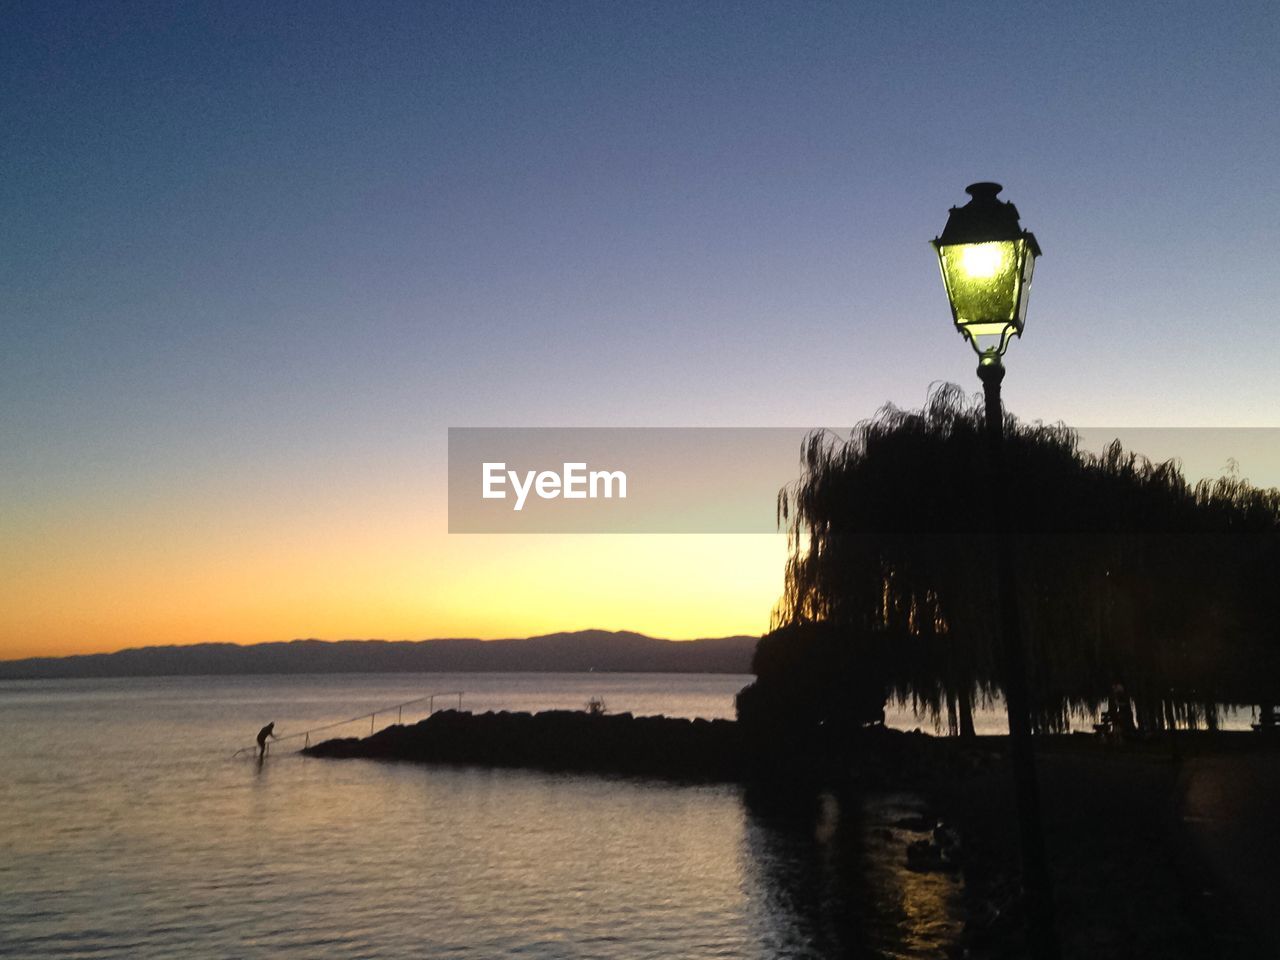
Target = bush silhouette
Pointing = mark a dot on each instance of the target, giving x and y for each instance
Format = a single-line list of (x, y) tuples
[(810, 677)]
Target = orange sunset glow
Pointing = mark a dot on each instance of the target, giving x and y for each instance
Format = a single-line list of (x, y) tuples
[(104, 587)]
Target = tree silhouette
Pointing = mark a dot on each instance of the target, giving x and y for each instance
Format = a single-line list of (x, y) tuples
[(1126, 573)]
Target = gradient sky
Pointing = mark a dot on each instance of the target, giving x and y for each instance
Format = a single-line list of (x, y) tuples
[(257, 258)]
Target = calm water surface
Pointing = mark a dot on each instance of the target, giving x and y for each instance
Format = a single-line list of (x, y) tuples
[(127, 829)]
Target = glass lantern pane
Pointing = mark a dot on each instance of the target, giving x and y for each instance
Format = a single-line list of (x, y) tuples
[(1029, 265), (982, 282)]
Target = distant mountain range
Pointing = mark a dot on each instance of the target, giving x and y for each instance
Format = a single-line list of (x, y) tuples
[(576, 652)]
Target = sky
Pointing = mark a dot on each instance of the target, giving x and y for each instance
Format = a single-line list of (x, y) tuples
[(256, 259)]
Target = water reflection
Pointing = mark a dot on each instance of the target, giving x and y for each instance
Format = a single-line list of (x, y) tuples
[(209, 857), (825, 875)]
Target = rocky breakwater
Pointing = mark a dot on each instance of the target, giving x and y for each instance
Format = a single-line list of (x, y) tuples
[(560, 740), (673, 748)]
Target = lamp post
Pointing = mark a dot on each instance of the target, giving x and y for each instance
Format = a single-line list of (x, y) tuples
[(987, 260)]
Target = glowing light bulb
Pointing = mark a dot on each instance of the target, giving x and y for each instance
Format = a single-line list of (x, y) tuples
[(981, 261)]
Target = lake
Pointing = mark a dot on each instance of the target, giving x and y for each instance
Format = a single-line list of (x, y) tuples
[(128, 829)]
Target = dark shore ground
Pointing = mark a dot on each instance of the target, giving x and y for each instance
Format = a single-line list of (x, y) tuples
[(1161, 848), (1154, 852)]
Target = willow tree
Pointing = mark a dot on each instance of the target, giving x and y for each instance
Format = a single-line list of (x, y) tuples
[(1126, 573)]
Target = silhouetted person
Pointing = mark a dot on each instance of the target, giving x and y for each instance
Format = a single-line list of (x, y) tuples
[(267, 731)]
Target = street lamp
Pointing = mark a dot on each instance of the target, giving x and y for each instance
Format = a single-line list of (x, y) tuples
[(987, 260)]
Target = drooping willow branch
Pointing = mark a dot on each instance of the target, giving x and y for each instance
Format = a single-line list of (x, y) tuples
[(1126, 573)]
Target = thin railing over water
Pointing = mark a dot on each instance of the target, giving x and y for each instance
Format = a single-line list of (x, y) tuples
[(429, 699)]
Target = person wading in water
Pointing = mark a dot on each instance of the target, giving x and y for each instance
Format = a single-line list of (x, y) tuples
[(267, 731)]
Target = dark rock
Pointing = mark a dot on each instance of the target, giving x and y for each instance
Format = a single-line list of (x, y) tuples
[(699, 750), (559, 740)]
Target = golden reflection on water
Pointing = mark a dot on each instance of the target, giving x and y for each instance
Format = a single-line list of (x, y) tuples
[(929, 902), (830, 872)]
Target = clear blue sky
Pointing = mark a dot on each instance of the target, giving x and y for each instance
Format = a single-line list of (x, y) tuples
[(245, 245)]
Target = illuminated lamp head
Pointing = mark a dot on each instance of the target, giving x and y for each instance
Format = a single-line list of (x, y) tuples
[(987, 260)]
